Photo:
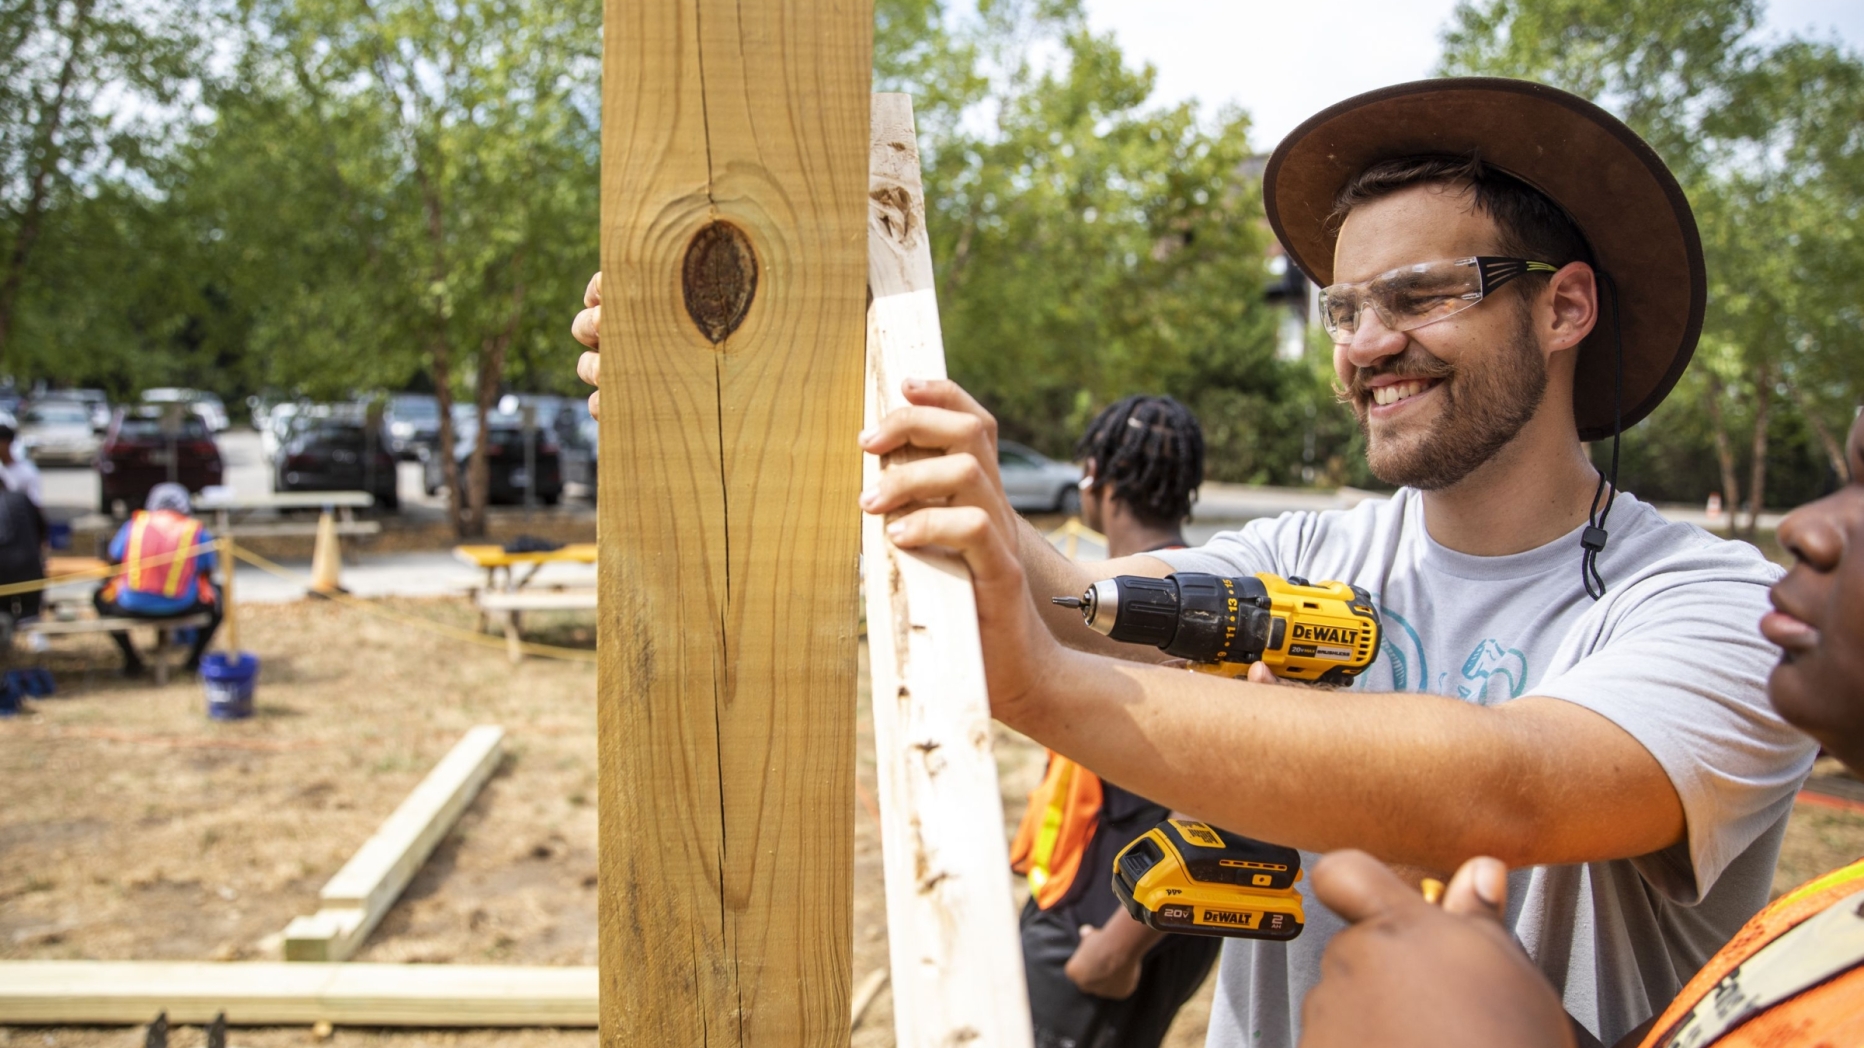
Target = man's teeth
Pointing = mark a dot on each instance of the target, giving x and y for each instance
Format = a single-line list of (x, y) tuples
[(1397, 391)]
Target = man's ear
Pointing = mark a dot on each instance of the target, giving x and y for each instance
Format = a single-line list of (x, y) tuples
[(1572, 307)]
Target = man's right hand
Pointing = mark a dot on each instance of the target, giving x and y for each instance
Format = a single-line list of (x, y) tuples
[(587, 329), (944, 491)]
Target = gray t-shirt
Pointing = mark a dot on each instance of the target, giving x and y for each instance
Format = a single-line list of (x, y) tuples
[(1672, 655)]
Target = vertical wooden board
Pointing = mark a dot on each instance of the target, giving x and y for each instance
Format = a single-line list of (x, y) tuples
[(951, 921), (734, 183)]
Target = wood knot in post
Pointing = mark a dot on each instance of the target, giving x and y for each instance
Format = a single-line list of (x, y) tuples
[(719, 279)]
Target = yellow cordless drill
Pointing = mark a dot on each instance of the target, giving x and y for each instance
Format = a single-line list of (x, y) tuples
[(1190, 877), (1322, 633)]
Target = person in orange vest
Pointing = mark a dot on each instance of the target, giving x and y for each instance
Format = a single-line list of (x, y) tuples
[(1096, 976), (159, 583), (1407, 973)]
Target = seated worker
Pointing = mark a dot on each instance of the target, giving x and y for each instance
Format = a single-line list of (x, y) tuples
[(1508, 272), (164, 589), (1410, 974), (1096, 976)]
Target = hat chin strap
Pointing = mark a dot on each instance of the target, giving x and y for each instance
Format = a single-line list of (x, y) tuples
[(1592, 540)]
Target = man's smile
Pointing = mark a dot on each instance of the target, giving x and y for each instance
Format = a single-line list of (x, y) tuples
[(1390, 394)]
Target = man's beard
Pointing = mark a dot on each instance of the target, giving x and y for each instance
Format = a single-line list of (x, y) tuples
[(1483, 409)]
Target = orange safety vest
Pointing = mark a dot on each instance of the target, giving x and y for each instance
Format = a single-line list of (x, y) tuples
[(153, 536), (1829, 1013), (1057, 827)]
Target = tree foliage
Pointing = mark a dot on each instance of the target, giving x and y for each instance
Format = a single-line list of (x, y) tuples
[(319, 197)]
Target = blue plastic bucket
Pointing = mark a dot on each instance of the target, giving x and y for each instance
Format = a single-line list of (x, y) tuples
[(230, 681)]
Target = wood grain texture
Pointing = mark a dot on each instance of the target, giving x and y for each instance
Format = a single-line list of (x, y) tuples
[(728, 527), (356, 899), (951, 921), (274, 993)]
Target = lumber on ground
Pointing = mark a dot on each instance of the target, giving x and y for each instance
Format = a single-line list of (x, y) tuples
[(360, 894), (274, 993), (734, 204), (951, 920)]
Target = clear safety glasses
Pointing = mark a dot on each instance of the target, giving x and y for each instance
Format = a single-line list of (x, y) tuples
[(1410, 297)]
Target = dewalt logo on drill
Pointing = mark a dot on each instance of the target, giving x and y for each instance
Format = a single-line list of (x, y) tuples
[(1325, 634)]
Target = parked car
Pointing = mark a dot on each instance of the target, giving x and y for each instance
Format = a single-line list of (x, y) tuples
[(568, 420), (413, 421), (58, 433), (504, 457), (338, 453), (1036, 483), (143, 448), (95, 401), (205, 404)]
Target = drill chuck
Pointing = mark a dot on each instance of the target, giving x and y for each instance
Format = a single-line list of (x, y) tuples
[(1201, 618)]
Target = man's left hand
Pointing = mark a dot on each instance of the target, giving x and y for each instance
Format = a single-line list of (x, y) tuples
[(1408, 973)]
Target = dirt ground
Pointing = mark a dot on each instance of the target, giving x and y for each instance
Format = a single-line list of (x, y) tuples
[(134, 828)]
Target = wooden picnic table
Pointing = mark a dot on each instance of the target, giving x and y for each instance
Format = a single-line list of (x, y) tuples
[(496, 560), (342, 504)]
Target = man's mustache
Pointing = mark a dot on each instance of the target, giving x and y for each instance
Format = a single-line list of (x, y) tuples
[(1413, 363)]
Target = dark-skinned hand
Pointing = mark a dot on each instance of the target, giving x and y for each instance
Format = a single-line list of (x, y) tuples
[(1408, 974)]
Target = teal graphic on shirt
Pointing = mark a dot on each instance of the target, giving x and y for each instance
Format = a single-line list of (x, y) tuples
[(1493, 673), (1403, 650)]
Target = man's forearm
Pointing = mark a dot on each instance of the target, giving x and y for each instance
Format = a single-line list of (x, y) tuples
[(1412, 778)]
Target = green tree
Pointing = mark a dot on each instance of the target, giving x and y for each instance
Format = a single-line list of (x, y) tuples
[(1090, 245), (92, 92), (397, 188)]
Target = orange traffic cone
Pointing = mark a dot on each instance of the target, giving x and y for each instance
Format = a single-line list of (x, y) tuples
[(327, 557)]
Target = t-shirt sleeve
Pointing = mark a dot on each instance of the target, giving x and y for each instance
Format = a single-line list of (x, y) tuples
[(1679, 663)]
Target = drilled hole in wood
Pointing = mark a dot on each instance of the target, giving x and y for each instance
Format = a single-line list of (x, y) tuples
[(719, 279)]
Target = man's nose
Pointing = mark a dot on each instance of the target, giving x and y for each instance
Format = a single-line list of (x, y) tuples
[(1372, 340)]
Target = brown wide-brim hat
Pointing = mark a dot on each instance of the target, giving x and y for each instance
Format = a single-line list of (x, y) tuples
[(1619, 193)]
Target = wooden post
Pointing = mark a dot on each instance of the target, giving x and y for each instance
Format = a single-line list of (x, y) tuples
[(734, 210), (951, 923)]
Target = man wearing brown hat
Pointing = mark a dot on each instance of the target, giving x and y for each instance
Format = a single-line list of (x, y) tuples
[(1569, 682)]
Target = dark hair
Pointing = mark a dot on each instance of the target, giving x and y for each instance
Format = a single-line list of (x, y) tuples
[(1531, 225), (1149, 453), (6, 433)]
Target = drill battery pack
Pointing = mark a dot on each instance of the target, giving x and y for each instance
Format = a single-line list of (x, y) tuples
[(1191, 878)]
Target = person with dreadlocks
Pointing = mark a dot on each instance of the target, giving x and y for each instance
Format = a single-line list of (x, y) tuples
[(1097, 977)]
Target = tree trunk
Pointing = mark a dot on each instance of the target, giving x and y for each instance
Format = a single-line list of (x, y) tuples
[(1757, 467), (45, 141), (1724, 451), (491, 375), (1834, 451)]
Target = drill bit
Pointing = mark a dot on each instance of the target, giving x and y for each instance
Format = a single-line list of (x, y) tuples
[(1068, 602)]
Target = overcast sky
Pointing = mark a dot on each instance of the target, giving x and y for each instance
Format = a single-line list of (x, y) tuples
[(1283, 60)]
